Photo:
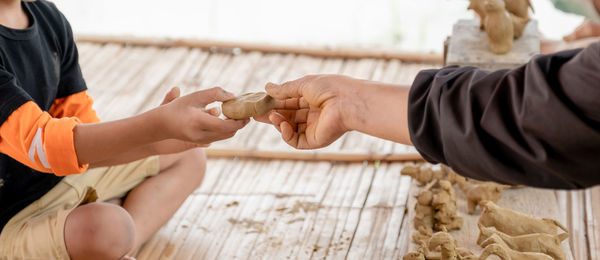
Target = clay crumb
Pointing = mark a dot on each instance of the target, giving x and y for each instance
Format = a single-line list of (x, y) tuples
[(316, 248), (233, 204), (305, 206), (203, 229), (295, 220), (169, 249), (257, 226)]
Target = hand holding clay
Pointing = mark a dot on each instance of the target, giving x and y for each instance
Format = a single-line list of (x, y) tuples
[(308, 111), (187, 119), (314, 111)]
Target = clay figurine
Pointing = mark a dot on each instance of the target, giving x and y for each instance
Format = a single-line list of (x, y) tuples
[(444, 202), (477, 6), (505, 253), (514, 223), (248, 105), (476, 192), (519, 8), (519, 24), (498, 26), (423, 174), (541, 243)]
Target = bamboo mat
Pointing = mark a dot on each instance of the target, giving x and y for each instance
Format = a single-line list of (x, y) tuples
[(284, 209)]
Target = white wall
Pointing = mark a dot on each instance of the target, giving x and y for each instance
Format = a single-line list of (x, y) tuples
[(413, 25)]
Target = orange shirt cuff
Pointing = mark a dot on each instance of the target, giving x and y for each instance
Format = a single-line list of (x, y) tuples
[(60, 146)]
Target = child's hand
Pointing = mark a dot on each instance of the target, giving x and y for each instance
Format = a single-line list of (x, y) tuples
[(185, 118)]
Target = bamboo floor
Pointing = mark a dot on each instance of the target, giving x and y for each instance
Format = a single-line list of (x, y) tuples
[(252, 207)]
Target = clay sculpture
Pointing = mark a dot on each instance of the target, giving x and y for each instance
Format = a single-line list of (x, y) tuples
[(519, 24), (446, 243), (248, 105), (541, 243), (477, 6), (505, 253), (423, 174), (498, 26), (476, 192), (519, 8), (444, 203), (414, 256), (424, 212), (514, 223)]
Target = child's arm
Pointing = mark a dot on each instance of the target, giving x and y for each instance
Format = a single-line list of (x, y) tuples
[(64, 146), (184, 119)]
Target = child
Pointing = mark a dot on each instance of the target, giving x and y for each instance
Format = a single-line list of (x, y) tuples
[(51, 205)]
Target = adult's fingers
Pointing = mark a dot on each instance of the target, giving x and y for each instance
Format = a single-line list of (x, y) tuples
[(290, 89), (293, 138), (174, 93), (215, 111), (205, 97), (292, 103)]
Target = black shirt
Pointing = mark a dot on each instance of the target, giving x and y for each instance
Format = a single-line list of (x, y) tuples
[(37, 64), (537, 125)]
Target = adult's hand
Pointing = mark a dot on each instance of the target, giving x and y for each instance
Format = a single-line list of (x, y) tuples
[(314, 111), (309, 111)]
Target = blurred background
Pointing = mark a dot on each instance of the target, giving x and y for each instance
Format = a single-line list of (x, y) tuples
[(407, 25)]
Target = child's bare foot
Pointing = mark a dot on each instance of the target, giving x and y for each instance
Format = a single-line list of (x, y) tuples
[(585, 30)]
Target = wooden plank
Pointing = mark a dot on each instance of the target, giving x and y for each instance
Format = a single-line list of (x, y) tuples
[(232, 47), (311, 156), (190, 65), (160, 241)]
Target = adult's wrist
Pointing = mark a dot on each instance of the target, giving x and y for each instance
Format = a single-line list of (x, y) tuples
[(349, 90)]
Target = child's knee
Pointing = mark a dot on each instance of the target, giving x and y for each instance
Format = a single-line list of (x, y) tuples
[(194, 163), (99, 231)]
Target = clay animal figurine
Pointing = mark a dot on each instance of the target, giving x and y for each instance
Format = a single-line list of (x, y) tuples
[(498, 26), (414, 256), (424, 212), (444, 202), (519, 8), (519, 24), (248, 105), (477, 6), (482, 191), (446, 243), (505, 253), (514, 223), (423, 174), (541, 243)]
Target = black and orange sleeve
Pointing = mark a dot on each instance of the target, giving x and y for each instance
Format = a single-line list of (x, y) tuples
[(33, 137), (77, 105)]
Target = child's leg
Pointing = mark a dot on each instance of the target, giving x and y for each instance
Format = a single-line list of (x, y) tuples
[(148, 206), (153, 203)]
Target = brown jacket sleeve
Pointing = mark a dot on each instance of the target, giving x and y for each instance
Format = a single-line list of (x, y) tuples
[(537, 125)]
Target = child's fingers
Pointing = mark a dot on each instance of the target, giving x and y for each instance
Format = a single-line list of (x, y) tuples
[(205, 97), (215, 124), (174, 93)]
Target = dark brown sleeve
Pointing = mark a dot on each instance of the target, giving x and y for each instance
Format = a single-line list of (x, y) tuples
[(537, 125)]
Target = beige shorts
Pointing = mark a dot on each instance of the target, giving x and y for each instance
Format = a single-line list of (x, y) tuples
[(37, 232)]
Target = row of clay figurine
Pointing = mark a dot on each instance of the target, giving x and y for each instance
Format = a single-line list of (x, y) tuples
[(503, 232)]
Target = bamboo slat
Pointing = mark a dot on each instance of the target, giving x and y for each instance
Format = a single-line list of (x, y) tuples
[(323, 52), (311, 156)]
